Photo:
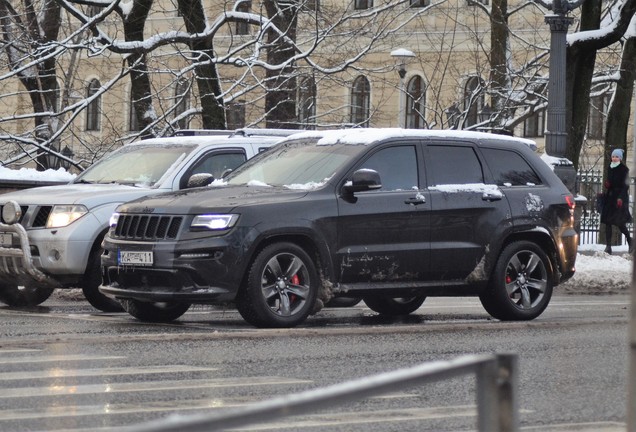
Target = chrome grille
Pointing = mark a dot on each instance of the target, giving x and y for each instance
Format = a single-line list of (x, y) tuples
[(146, 227)]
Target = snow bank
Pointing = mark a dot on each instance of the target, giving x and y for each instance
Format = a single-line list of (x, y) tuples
[(600, 273), (59, 175)]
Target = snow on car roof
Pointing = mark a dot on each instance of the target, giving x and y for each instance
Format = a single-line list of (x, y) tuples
[(370, 135)]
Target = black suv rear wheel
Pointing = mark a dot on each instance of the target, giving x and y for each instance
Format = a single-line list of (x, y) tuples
[(521, 285), (281, 287)]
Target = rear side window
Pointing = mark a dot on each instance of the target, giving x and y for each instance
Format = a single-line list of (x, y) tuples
[(453, 165), (509, 168), (218, 163)]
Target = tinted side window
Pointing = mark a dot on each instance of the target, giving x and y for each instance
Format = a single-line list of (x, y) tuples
[(509, 168), (453, 165), (397, 167)]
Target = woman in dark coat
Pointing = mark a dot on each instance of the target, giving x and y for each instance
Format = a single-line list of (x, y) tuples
[(616, 204)]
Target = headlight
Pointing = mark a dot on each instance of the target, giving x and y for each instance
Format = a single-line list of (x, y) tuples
[(112, 222), (214, 221), (63, 215), (11, 212)]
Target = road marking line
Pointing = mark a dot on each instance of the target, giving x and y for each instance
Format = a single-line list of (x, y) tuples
[(149, 386), (71, 373), (64, 358)]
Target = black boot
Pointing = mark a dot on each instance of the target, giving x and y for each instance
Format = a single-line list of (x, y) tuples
[(608, 249)]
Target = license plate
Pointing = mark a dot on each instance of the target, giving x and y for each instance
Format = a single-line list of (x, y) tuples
[(135, 258), (6, 240)]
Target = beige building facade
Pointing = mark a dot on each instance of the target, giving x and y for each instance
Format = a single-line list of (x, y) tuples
[(445, 82)]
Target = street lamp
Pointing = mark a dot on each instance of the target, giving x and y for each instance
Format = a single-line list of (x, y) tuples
[(55, 162), (556, 134), (402, 57), (68, 153)]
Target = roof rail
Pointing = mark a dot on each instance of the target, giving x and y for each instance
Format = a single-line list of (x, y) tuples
[(266, 132), (197, 132)]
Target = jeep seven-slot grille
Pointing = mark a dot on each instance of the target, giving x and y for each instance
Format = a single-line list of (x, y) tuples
[(142, 227)]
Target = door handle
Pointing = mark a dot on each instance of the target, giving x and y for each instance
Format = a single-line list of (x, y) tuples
[(488, 196), (420, 199)]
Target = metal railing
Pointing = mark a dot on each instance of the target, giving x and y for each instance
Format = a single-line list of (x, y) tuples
[(497, 387)]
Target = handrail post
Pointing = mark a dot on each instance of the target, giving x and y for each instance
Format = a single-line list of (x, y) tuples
[(497, 384)]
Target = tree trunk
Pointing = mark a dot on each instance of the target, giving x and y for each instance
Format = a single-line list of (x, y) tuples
[(140, 95), (280, 100), (499, 48), (580, 61), (207, 77), (619, 112)]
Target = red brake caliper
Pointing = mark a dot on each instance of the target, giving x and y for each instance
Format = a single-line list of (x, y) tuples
[(294, 280)]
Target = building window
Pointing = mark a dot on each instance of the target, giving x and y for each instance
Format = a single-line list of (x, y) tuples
[(307, 103), (534, 126), (133, 121), (360, 102), (242, 27), (419, 3), (415, 103), (474, 2), (597, 117), (473, 100), (94, 10), (181, 103), (93, 113), (363, 4), (235, 115)]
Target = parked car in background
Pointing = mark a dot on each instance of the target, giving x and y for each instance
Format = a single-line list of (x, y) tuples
[(50, 237), (388, 215)]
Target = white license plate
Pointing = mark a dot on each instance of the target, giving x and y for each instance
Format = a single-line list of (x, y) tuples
[(6, 240), (135, 258)]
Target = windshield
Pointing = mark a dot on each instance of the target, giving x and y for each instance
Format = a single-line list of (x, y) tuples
[(298, 164), (135, 165)]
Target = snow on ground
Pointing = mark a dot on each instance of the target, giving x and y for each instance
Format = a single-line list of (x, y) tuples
[(600, 273)]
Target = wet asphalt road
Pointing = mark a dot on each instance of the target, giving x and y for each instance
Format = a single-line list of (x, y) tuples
[(67, 367)]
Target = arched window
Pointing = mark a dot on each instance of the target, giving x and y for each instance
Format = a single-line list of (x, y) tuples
[(473, 100), (181, 102), (242, 27), (133, 121), (307, 103), (93, 110), (360, 102), (415, 103)]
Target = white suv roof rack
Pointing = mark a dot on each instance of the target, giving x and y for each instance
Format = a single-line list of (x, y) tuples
[(242, 131)]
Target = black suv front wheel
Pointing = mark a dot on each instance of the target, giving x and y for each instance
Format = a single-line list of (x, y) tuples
[(521, 284), (281, 287)]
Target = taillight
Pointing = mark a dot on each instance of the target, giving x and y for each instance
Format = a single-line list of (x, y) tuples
[(569, 199)]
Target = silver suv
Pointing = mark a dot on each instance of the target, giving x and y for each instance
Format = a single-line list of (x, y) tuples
[(50, 237)]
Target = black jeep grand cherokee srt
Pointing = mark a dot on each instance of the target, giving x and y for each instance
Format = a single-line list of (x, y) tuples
[(389, 215)]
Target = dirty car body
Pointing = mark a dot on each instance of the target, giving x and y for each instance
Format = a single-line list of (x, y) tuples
[(389, 215)]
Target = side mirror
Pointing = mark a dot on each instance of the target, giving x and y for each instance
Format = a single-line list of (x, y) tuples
[(199, 180), (363, 180)]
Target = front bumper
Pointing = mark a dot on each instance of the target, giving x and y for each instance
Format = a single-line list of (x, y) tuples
[(16, 262), (203, 270)]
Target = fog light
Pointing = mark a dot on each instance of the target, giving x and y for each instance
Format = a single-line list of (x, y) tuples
[(11, 212)]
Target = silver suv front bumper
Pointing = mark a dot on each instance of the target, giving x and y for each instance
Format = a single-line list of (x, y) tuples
[(16, 263)]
